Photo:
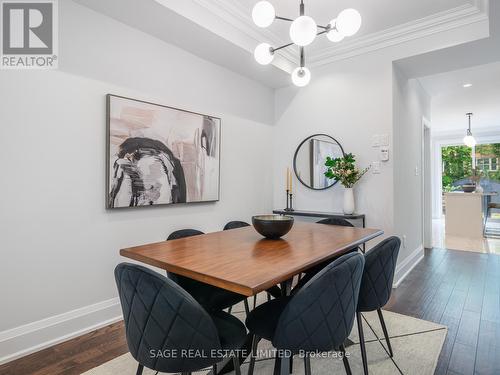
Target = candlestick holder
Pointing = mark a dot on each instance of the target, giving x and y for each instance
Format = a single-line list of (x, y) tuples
[(289, 201), (287, 207)]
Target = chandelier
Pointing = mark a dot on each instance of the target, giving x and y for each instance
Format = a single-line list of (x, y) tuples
[(303, 31)]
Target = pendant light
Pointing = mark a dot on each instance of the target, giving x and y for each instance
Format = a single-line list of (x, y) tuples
[(303, 31), (469, 140)]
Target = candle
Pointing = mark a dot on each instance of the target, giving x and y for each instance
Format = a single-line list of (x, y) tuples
[(291, 181), (287, 178)]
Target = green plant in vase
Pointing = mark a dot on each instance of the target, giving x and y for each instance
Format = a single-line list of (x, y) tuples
[(344, 170)]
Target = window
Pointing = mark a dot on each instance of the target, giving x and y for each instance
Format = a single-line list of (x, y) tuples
[(494, 164), (483, 164), (487, 164)]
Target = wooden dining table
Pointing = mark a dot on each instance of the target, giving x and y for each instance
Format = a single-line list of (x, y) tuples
[(242, 261)]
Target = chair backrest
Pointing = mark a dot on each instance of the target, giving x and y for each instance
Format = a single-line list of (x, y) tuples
[(161, 318), (183, 281), (321, 315), (235, 225), (380, 264), (335, 221), (183, 233)]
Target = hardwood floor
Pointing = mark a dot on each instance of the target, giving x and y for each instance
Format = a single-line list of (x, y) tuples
[(72, 357), (458, 289), (462, 291)]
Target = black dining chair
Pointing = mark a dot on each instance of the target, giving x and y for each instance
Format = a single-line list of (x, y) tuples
[(235, 225), (318, 318), (210, 297), (335, 221), (376, 287), (163, 323), (308, 274)]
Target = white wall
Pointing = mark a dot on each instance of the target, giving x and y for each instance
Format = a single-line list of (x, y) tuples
[(411, 105), (340, 103), (59, 244)]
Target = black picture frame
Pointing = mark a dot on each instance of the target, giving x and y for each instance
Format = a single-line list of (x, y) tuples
[(108, 140), (295, 160)]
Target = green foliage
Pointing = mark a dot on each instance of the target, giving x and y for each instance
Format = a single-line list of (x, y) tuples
[(457, 164), (344, 170)]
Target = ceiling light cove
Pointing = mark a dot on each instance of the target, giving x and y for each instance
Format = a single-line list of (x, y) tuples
[(303, 31)]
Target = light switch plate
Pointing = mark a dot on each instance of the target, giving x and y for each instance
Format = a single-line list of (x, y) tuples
[(384, 140), (376, 167)]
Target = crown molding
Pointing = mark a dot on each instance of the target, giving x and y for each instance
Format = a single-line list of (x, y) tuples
[(436, 23), (236, 16)]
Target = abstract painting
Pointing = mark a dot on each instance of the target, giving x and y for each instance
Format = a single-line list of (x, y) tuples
[(160, 155)]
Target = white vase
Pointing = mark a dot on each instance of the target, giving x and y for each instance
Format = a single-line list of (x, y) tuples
[(349, 201), (479, 189)]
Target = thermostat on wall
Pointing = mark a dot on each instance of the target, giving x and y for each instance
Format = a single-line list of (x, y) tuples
[(384, 153)]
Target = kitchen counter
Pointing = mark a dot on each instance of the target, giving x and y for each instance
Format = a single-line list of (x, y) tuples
[(465, 213)]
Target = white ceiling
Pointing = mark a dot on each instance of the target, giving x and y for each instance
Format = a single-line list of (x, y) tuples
[(451, 101), (222, 31)]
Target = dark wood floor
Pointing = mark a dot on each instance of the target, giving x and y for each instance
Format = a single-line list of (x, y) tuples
[(72, 357), (458, 289), (462, 291)]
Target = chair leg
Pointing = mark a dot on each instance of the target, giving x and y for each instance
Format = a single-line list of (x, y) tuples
[(277, 365), (253, 355), (247, 308), (345, 360), (362, 344), (140, 369), (254, 301), (384, 328), (307, 364), (229, 309), (285, 366), (236, 364), (268, 296)]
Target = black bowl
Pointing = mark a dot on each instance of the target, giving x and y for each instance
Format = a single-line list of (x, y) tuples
[(469, 188), (272, 226)]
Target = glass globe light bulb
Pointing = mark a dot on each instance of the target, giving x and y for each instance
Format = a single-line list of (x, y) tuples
[(263, 54), (333, 35), (263, 14), (303, 31), (469, 140), (301, 76), (349, 22)]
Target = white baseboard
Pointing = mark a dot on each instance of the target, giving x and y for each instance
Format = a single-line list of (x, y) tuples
[(32, 337), (407, 265)]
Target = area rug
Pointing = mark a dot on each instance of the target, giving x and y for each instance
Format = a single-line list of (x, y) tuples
[(416, 344)]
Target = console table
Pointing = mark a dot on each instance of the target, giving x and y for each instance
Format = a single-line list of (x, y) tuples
[(324, 215)]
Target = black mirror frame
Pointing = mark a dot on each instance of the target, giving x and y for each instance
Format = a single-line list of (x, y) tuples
[(295, 159)]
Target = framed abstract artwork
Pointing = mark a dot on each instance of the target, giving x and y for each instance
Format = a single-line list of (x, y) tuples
[(158, 155)]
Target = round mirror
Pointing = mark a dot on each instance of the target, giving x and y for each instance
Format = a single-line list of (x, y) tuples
[(310, 157)]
